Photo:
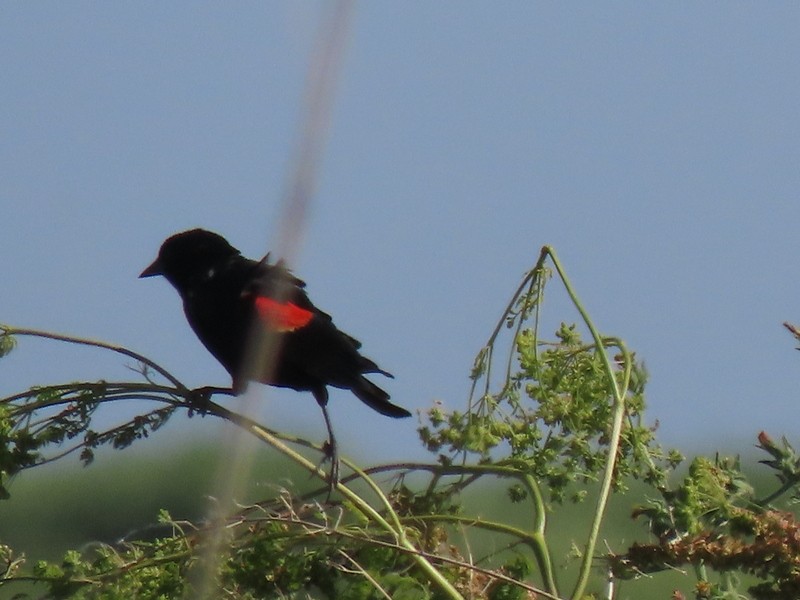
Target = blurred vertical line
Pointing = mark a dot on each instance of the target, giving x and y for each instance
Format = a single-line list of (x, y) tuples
[(324, 73), (234, 472)]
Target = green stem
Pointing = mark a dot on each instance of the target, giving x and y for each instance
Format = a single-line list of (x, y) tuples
[(536, 540), (395, 528), (616, 429), (8, 330), (764, 502), (539, 545), (451, 561)]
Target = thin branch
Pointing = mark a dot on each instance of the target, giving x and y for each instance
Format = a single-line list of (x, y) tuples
[(359, 570), (7, 330)]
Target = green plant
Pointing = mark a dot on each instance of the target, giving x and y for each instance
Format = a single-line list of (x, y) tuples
[(556, 421)]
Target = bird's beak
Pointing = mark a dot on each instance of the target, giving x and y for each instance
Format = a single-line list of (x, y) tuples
[(153, 270)]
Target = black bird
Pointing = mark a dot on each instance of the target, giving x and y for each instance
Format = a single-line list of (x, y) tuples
[(236, 306)]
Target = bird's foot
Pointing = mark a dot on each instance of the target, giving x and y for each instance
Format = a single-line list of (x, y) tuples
[(330, 454), (200, 398)]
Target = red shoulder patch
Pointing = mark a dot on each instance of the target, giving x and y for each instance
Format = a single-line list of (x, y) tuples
[(282, 316)]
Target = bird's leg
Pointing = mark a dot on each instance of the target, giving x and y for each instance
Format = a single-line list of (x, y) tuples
[(321, 395), (331, 451)]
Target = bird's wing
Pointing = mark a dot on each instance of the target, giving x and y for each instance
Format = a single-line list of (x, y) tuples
[(279, 297)]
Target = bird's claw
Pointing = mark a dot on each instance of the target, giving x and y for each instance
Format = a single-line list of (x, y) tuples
[(200, 398), (330, 454)]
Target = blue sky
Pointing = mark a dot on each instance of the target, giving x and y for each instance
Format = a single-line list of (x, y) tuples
[(656, 146)]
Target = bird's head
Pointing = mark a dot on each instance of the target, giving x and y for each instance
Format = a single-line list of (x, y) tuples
[(188, 256)]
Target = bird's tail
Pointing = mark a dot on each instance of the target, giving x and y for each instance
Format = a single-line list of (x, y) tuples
[(368, 366), (377, 399)]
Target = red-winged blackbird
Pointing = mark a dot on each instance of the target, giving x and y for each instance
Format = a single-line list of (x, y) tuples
[(230, 300)]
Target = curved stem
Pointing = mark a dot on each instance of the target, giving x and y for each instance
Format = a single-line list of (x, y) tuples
[(536, 540), (315, 529), (769, 499), (395, 528), (96, 344), (616, 427)]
